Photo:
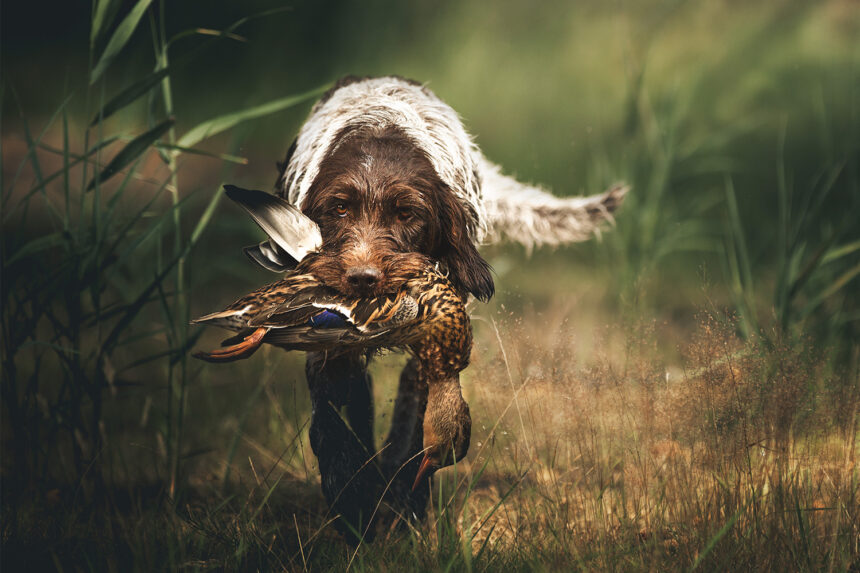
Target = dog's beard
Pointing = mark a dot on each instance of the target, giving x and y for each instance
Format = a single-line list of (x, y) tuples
[(395, 268)]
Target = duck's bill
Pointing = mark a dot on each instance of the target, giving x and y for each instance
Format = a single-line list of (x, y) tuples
[(424, 470), (243, 349)]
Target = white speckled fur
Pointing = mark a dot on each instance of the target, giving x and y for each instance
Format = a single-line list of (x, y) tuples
[(500, 207)]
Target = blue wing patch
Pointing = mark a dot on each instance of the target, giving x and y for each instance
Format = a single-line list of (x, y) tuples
[(327, 319)]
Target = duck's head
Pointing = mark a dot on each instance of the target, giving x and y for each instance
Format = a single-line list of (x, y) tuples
[(447, 428)]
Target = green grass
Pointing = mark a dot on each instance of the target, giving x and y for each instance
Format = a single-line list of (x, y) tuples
[(681, 394)]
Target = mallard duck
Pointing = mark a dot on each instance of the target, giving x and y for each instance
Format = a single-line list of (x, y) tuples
[(426, 316), (300, 313)]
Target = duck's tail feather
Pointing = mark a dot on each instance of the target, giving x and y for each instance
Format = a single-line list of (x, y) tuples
[(248, 345), (286, 226), (237, 338), (229, 319)]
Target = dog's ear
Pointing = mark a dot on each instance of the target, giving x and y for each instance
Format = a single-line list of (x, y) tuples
[(467, 267)]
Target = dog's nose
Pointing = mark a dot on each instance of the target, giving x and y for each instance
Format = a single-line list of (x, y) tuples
[(363, 279)]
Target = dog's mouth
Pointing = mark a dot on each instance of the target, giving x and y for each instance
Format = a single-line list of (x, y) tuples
[(386, 276), (386, 282)]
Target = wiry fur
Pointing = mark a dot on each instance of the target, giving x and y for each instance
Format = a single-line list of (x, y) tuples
[(377, 197), (498, 207), (529, 215), (379, 103)]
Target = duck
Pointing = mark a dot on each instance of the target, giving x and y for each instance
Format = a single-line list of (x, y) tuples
[(300, 313), (426, 316)]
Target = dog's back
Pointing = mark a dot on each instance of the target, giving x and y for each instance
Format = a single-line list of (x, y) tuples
[(500, 207)]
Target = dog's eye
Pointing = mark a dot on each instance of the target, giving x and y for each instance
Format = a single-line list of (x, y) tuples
[(404, 215), (341, 209)]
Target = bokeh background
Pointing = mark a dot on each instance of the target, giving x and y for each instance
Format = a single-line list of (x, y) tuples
[(737, 125)]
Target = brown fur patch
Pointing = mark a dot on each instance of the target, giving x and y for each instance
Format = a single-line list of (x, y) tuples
[(376, 199)]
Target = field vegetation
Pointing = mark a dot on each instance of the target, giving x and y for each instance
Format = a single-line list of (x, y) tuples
[(681, 393)]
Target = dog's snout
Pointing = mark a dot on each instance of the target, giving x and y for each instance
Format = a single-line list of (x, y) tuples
[(363, 279)]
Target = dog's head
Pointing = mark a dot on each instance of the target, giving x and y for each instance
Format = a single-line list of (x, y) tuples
[(378, 202)]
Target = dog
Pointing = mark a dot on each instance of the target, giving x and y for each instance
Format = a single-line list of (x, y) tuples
[(386, 168)]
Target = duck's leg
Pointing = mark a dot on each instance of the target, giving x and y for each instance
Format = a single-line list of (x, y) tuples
[(351, 479), (401, 455)]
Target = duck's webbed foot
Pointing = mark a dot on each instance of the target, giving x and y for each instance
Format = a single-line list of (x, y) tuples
[(351, 478), (402, 454)]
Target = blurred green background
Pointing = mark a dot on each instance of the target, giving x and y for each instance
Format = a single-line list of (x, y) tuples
[(673, 97), (736, 123)]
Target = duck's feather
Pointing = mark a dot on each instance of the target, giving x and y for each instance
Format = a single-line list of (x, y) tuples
[(275, 318), (300, 313), (335, 339), (231, 318), (238, 337), (309, 337), (271, 257), (327, 319), (242, 349), (286, 226)]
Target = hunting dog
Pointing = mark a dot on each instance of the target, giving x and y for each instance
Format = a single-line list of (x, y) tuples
[(385, 168)]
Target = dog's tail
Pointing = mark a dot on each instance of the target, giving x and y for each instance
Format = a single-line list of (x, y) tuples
[(521, 213)]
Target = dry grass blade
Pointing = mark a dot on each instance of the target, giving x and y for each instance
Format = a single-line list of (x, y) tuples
[(712, 542)]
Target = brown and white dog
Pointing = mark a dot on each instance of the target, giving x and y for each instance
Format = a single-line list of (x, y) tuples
[(385, 168)]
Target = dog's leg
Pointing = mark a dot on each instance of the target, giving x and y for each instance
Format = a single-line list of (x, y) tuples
[(359, 409), (351, 481), (401, 456)]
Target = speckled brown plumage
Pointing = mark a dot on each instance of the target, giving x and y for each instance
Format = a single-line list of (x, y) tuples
[(425, 315)]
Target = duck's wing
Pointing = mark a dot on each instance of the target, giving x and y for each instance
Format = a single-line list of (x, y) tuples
[(312, 338), (300, 313), (287, 227), (271, 257), (339, 324), (338, 339), (324, 308), (237, 315), (313, 302), (324, 331), (241, 313)]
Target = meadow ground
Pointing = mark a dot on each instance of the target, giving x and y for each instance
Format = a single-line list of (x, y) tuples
[(626, 446), (681, 393)]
